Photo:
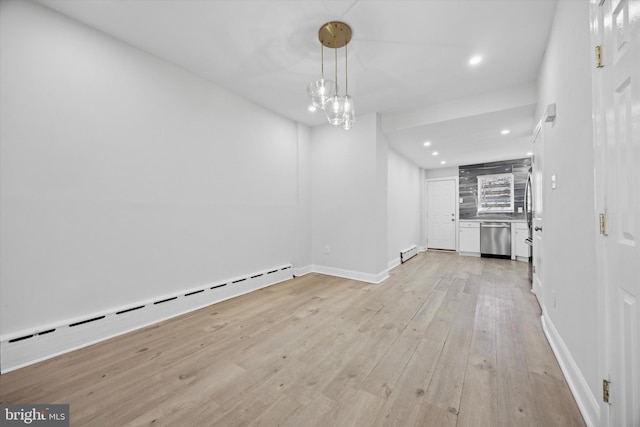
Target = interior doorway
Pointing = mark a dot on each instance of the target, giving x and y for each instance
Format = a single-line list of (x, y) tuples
[(538, 213), (442, 213)]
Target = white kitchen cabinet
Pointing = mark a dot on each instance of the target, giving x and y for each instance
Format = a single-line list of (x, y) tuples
[(519, 247), (469, 238)]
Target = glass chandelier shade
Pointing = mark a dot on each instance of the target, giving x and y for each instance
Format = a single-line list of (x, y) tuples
[(349, 114), (324, 93), (335, 110), (320, 91)]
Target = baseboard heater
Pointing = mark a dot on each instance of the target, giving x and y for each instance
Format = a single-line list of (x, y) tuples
[(408, 253), (22, 349)]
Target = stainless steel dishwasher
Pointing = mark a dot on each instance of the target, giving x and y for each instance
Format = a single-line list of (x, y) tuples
[(495, 239)]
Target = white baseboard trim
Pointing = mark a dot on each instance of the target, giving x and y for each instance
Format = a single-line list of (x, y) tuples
[(393, 263), (24, 348), (587, 402), (302, 271), (473, 254), (353, 275)]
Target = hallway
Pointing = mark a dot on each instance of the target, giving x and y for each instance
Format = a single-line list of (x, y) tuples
[(445, 341)]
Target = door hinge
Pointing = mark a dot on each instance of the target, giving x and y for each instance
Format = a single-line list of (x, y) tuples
[(603, 224), (533, 269), (605, 391), (599, 57)]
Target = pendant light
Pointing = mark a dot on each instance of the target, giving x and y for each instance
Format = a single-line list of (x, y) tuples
[(324, 93), (320, 91)]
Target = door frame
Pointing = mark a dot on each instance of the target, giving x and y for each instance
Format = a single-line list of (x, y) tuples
[(604, 80), (599, 129), (456, 180), (538, 195)]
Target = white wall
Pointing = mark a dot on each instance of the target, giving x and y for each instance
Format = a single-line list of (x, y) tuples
[(441, 173), (381, 210), (569, 222), (348, 186), (303, 260), (124, 177), (404, 205)]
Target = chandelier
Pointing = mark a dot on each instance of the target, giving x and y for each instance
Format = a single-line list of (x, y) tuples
[(324, 93)]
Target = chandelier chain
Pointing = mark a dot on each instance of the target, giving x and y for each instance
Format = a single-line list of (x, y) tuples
[(336, 78), (346, 71), (322, 59)]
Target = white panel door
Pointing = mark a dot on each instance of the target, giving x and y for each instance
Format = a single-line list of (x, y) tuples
[(441, 214), (617, 113), (537, 183)]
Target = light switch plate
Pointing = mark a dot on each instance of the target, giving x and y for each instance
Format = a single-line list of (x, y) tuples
[(553, 182)]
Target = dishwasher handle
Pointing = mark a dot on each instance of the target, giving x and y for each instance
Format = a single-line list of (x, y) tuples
[(494, 225)]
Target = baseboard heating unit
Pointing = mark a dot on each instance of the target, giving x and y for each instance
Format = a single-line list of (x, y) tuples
[(408, 253), (28, 347)]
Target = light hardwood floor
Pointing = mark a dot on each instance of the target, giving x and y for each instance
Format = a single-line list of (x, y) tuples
[(445, 341)]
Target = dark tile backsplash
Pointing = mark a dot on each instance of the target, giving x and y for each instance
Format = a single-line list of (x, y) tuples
[(469, 187)]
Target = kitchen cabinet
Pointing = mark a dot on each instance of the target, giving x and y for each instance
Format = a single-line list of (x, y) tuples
[(519, 247), (469, 238)]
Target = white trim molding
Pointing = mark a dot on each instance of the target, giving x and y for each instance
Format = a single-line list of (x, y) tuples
[(587, 402), (353, 275), (302, 271), (24, 348)]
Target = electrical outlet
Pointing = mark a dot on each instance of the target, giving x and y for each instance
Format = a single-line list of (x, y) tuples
[(327, 249)]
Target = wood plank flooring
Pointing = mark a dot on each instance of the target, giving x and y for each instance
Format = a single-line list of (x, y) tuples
[(445, 341)]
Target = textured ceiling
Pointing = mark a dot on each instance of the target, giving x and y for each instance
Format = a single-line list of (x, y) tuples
[(408, 61)]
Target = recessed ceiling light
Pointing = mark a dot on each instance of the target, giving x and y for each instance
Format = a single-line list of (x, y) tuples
[(443, 162), (529, 154), (475, 60), (312, 108), (505, 131), (427, 143), (435, 153)]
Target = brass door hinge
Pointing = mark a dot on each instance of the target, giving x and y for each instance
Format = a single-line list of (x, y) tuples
[(603, 224), (599, 57), (605, 391)]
